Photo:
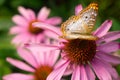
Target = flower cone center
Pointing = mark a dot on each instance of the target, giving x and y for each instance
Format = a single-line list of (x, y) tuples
[(34, 30), (42, 72), (80, 51)]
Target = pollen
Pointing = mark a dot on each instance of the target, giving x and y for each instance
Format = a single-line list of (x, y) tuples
[(42, 72), (80, 51), (34, 30)]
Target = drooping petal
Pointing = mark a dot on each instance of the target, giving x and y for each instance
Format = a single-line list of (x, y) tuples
[(110, 36), (54, 20), (27, 56), (100, 70), (24, 12), (108, 47), (90, 73), (20, 20), (20, 65), (51, 35), (103, 29), (78, 8), (48, 27), (43, 14), (76, 74), (58, 72), (18, 76), (109, 58)]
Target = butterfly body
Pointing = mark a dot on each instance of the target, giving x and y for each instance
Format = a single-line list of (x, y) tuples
[(81, 25)]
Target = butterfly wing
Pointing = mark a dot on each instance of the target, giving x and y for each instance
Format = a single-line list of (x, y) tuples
[(83, 23)]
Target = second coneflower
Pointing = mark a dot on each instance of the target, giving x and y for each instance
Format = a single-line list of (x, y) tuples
[(24, 30), (39, 62)]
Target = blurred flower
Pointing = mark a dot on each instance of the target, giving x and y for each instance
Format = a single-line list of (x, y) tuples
[(40, 63), (24, 30), (88, 58)]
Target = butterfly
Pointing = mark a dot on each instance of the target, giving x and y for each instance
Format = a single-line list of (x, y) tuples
[(81, 25)]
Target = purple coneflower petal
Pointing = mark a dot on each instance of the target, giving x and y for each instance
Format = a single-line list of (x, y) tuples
[(19, 20), (24, 12), (83, 73), (18, 76), (103, 29), (54, 20), (100, 70), (58, 72), (108, 47), (109, 58), (20, 65), (78, 8), (43, 14), (27, 56), (110, 69), (110, 36), (90, 73), (76, 74)]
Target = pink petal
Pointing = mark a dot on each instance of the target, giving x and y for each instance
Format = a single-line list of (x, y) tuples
[(54, 20), (43, 14), (39, 51), (110, 36), (109, 58), (51, 57), (27, 56), (103, 29), (24, 12), (51, 34), (31, 14), (16, 30), (76, 74), (40, 38), (58, 73), (100, 70), (21, 38), (83, 73), (48, 27), (108, 47), (19, 20), (90, 73), (110, 69), (38, 54), (78, 8), (18, 76), (20, 65)]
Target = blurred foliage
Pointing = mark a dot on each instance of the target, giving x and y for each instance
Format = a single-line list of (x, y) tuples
[(108, 9)]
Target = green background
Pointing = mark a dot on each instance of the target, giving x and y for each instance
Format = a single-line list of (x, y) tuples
[(108, 9)]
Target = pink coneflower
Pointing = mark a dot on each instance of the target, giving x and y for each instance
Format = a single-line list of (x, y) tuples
[(24, 30), (87, 55), (38, 61)]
